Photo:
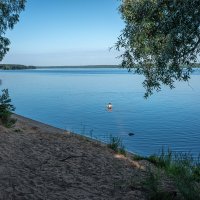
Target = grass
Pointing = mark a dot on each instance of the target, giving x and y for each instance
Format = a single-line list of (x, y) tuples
[(154, 190), (182, 168), (10, 123), (115, 144)]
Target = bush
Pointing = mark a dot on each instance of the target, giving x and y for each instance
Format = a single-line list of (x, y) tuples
[(6, 108)]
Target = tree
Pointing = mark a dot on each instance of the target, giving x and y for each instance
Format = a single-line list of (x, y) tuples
[(9, 16), (161, 40)]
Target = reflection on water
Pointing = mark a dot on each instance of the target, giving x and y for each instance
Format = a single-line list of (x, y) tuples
[(76, 99)]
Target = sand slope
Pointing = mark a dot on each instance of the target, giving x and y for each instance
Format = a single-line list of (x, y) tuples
[(38, 161)]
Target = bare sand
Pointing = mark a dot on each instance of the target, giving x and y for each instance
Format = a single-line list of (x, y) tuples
[(38, 161)]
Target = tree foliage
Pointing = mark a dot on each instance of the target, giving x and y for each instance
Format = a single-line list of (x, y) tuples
[(9, 16), (161, 40)]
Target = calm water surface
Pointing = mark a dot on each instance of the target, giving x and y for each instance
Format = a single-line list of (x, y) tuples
[(75, 99)]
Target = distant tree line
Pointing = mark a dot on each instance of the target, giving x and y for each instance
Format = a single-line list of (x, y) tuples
[(15, 67)]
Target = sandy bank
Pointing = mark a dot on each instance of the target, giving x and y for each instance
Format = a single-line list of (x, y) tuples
[(38, 161)]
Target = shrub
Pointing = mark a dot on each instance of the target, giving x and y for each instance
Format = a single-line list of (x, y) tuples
[(6, 108)]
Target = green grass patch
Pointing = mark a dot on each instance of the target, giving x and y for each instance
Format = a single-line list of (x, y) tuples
[(116, 144), (182, 168)]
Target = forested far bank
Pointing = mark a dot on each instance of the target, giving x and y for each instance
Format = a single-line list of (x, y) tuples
[(21, 67), (15, 67)]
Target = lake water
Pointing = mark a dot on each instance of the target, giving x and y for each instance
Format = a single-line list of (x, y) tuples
[(75, 99)]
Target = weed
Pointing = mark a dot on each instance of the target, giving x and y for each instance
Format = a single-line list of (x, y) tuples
[(163, 160), (181, 168), (152, 184), (138, 157), (116, 145), (10, 123)]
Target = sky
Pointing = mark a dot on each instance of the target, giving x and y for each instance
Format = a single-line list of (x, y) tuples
[(66, 32)]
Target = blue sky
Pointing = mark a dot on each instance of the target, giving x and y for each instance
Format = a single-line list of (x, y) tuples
[(66, 32)]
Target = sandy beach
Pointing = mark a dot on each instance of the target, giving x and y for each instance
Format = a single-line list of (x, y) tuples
[(38, 161)]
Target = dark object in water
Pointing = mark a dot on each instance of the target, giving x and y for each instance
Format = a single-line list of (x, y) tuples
[(131, 134)]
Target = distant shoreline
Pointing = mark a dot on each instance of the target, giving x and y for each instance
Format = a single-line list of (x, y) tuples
[(15, 67), (81, 66), (21, 67)]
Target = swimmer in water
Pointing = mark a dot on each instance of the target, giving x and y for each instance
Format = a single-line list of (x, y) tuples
[(109, 106)]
